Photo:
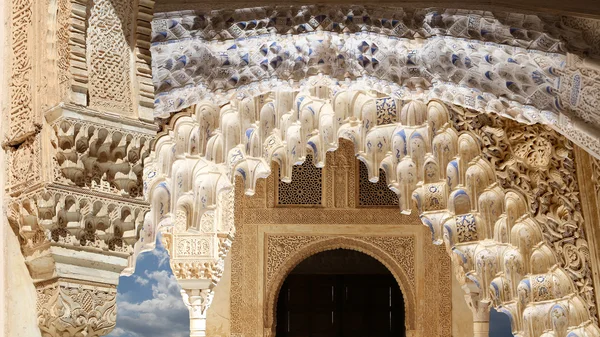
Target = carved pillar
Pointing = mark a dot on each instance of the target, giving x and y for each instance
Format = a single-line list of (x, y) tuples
[(588, 176), (75, 161), (197, 296), (78, 227), (481, 315), (197, 243)]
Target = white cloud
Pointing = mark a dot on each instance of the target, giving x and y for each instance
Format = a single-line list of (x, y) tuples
[(161, 255), (118, 332), (162, 315), (141, 281)]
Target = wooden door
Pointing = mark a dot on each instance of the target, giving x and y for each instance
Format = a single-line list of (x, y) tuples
[(340, 306)]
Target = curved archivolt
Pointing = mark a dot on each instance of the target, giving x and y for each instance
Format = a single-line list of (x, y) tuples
[(489, 232)]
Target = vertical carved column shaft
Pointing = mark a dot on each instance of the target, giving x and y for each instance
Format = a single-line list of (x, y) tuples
[(197, 301), (481, 329), (481, 316)]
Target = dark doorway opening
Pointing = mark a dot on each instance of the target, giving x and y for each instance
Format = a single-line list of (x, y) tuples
[(340, 293)]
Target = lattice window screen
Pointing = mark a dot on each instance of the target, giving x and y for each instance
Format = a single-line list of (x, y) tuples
[(306, 187), (374, 194)]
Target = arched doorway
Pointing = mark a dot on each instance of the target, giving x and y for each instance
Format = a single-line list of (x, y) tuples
[(340, 293)]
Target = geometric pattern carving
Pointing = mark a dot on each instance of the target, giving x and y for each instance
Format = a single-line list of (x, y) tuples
[(528, 30), (109, 53), (478, 60), (374, 194), (305, 187)]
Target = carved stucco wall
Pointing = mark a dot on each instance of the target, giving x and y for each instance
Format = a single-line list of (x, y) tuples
[(271, 240), (74, 142)]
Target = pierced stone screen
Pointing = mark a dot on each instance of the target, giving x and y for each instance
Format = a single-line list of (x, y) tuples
[(306, 187), (374, 194)]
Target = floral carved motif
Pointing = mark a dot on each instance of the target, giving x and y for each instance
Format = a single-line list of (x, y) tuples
[(540, 164), (68, 308)]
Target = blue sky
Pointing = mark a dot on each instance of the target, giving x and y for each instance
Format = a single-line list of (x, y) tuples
[(149, 302)]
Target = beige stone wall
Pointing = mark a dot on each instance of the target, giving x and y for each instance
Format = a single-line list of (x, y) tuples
[(21, 298), (462, 317), (218, 315)]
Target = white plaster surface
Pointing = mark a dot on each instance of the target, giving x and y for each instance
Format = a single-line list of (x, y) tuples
[(462, 317), (21, 319), (218, 315)]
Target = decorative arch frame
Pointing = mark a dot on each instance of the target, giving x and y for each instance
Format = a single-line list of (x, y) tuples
[(344, 242), (489, 232)]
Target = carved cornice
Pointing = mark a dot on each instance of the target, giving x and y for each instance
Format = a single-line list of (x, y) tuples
[(478, 60), (74, 219), (579, 8), (95, 155), (532, 31)]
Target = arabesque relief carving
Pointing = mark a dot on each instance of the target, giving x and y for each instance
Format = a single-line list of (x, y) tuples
[(66, 308), (109, 54), (539, 164)]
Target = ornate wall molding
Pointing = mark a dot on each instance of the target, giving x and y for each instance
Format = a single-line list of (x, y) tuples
[(284, 252), (143, 59)]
